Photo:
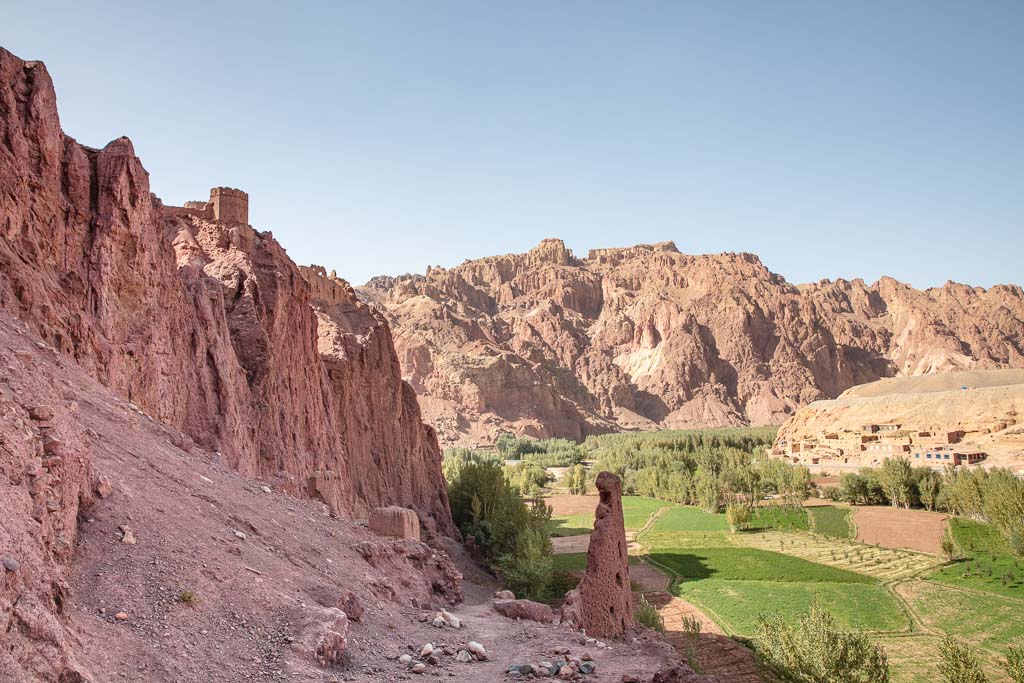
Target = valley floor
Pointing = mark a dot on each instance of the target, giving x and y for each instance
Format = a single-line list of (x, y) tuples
[(876, 569)]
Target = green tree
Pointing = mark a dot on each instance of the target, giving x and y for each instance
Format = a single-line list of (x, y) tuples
[(512, 536), (708, 490), (576, 480), (896, 479), (816, 650), (929, 489), (1014, 664), (506, 444), (738, 516), (959, 664)]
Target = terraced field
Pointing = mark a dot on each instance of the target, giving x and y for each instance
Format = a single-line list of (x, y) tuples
[(831, 520), (736, 604), (885, 564), (732, 578)]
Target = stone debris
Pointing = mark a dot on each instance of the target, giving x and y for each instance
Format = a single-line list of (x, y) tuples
[(332, 646), (350, 604), (127, 535), (9, 563)]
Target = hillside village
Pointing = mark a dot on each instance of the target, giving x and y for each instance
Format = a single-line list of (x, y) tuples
[(921, 419)]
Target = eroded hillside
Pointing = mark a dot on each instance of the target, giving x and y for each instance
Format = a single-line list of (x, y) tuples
[(202, 321), (547, 344)]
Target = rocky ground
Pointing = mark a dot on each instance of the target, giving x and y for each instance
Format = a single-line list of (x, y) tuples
[(182, 570)]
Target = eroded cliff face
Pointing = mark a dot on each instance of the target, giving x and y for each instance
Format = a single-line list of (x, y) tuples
[(547, 344), (206, 325)]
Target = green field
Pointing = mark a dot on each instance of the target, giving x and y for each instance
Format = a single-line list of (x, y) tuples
[(636, 510), (696, 564), (786, 518), (737, 604), (577, 562), (831, 520), (988, 566), (989, 621), (680, 518), (572, 525)]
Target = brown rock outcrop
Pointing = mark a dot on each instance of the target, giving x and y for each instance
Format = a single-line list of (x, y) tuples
[(395, 521), (524, 609), (417, 572), (547, 344), (201, 321), (602, 604)]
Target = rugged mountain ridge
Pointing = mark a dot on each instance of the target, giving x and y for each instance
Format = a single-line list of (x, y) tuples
[(548, 344), (204, 324)]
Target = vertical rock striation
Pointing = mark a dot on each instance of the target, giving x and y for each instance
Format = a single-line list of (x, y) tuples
[(646, 337), (205, 324)]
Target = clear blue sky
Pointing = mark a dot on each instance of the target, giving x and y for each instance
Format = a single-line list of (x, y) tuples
[(849, 139)]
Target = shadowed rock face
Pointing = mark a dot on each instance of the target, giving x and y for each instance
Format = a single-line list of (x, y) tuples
[(208, 326), (547, 344), (602, 604)]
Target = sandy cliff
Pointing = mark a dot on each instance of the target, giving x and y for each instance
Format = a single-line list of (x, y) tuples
[(549, 344)]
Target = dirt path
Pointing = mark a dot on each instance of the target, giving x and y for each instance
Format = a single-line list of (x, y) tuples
[(898, 528), (718, 654)]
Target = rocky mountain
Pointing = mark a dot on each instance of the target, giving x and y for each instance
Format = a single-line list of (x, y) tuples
[(192, 430), (201, 321), (548, 344)]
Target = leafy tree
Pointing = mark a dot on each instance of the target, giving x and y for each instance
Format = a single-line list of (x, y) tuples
[(816, 650), (897, 479), (511, 535), (947, 545), (576, 480), (708, 490), (1014, 664), (738, 516), (929, 489), (528, 477), (506, 444), (959, 664)]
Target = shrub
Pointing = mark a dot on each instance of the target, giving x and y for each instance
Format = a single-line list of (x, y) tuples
[(576, 480), (512, 535), (815, 650), (188, 597), (527, 572), (948, 546), (738, 516), (1014, 664), (959, 664), (647, 614)]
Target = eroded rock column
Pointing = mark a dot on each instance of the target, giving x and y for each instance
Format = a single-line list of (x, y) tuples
[(602, 604)]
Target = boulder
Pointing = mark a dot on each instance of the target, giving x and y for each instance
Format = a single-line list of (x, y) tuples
[(395, 521), (524, 609)]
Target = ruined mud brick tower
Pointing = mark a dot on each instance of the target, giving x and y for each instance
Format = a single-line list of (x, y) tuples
[(230, 205), (602, 604)]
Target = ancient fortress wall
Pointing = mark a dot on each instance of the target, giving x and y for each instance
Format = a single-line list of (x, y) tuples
[(330, 289), (230, 205)]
